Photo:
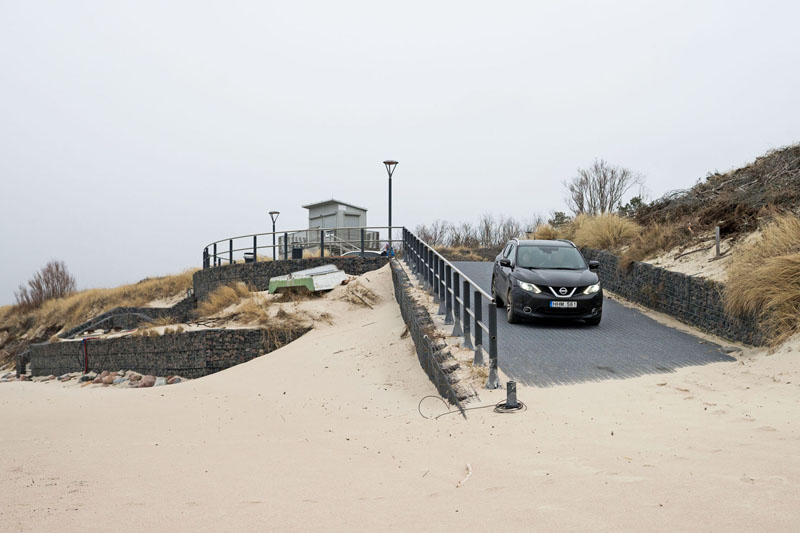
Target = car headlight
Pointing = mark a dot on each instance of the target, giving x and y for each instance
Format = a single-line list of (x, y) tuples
[(592, 289), (530, 287)]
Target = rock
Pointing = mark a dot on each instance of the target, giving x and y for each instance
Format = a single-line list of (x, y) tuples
[(147, 381), (119, 380), (98, 380), (160, 382), (121, 373), (173, 380), (135, 377), (64, 377), (103, 374), (108, 380), (88, 377), (50, 377), (23, 377)]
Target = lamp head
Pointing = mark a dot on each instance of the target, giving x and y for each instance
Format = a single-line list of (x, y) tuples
[(274, 215), (390, 164)]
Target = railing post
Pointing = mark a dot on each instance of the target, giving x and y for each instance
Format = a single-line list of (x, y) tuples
[(437, 284), (215, 255), (322, 243), (205, 258), (286, 246), (477, 305), (456, 311), (230, 251), (494, 381), (440, 287), (255, 248), (448, 296), (465, 318), (363, 238), (430, 273)]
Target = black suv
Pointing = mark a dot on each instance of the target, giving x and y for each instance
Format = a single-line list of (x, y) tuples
[(549, 279)]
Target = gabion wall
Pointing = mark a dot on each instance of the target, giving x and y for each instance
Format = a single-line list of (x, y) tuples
[(693, 300), (189, 354)]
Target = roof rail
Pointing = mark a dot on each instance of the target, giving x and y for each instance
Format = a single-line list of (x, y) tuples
[(568, 242)]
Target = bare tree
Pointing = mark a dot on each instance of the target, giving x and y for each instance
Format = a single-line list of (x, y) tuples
[(486, 230), (600, 188), (52, 281), (435, 233)]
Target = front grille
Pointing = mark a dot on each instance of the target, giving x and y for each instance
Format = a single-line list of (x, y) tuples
[(556, 291)]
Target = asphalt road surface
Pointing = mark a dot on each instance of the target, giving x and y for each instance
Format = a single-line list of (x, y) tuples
[(627, 343)]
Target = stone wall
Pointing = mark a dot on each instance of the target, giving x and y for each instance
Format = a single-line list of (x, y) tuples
[(693, 300), (433, 353), (259, 274), (188, 354)]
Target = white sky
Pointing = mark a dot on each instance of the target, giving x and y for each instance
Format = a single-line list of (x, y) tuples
[(133, 133)]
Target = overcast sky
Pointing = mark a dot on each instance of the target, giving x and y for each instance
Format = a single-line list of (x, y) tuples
[(133, 133)]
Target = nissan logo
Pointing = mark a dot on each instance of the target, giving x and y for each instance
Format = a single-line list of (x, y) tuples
[(562, 291)]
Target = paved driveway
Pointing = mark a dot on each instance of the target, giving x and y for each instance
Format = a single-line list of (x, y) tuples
[(627, 343)]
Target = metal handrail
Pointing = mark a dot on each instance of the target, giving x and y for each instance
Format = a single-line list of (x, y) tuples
[(459, 298), (213, 256)]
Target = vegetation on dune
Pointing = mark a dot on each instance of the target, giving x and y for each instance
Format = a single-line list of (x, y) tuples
[(21, 325), (605, 232), (734, 200), (764, 279), (221, 298)]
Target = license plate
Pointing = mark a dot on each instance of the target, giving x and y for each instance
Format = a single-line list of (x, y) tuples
[(563, 304)]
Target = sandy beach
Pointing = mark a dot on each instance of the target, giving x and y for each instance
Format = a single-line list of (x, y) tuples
[(325, 434)]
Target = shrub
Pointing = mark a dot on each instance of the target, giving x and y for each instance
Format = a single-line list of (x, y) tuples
[(52, 281), (764, 279), (604, 232)]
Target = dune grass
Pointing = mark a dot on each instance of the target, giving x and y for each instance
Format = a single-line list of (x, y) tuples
[(652, 240), (78, 307), (604, 232), (764, 279), (221, 298)]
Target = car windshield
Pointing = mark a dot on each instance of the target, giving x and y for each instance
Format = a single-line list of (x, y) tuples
[(553, 257)]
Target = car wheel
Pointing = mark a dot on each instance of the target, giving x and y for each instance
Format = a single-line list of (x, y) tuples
[(511, 315), (594, 321), (497, 299)]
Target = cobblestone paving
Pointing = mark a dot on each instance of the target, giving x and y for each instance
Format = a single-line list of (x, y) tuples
[(627, 343)]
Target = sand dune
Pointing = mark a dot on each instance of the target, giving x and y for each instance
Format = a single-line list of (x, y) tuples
[(324, 434)]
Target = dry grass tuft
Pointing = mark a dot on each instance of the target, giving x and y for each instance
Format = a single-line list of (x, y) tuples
[(653, 240), (162, 321), (604, 232), (764, 279), (253, 312), (546, 232), (459, 253), (221, 298)]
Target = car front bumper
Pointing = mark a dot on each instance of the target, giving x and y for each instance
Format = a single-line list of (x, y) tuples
[(537, 305)]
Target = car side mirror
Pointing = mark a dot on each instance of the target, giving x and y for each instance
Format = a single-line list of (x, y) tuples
[(505, 263), (594, 266)]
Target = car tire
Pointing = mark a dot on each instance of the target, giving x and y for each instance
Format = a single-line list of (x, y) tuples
[(594, 321), (511, 315), (497, 299)]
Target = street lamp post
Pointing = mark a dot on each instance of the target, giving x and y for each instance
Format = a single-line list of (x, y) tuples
[(390, 164), (274, 216)]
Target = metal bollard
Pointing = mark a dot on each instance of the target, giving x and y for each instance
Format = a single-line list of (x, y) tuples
[(511, 395), (478, 358)]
